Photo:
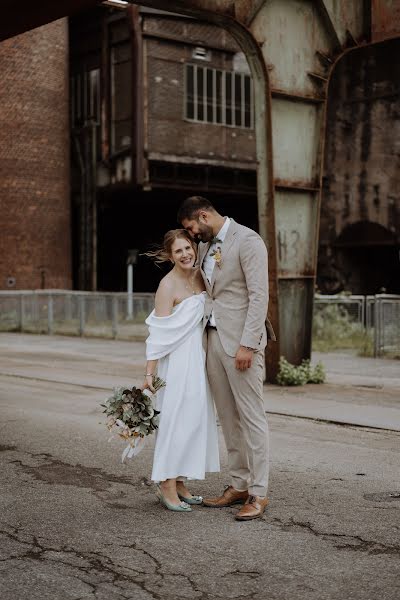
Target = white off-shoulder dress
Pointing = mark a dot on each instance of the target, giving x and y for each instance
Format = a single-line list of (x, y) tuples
[(186, 440)]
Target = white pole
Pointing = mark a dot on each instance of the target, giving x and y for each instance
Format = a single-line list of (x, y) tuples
[(130, 292)]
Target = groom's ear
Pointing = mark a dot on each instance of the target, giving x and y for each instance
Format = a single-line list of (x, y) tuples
[(204, 216)]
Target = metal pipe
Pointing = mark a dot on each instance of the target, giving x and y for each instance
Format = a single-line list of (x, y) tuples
[(93, 186), (82, 224), (129, 312), (50, 315)]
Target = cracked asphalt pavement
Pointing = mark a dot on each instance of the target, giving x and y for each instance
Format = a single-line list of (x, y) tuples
[(77, 524)]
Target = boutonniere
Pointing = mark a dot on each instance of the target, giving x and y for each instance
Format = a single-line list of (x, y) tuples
[(217, 256)]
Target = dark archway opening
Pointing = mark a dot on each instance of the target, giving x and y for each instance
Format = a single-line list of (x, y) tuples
[(360, 225), (367, 256)]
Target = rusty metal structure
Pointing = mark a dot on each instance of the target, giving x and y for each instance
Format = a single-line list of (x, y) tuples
[(359, 229), (292, 47)]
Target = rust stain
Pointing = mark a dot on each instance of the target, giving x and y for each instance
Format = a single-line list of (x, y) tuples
[(301, 186), (385, 19)]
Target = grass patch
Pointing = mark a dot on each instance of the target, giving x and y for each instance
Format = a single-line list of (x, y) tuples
[(333, 329)]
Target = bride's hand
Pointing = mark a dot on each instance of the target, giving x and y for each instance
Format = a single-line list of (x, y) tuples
[(148, 384)]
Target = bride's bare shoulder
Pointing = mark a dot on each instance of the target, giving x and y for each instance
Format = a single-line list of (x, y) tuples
[(165, 297), (166, 286)]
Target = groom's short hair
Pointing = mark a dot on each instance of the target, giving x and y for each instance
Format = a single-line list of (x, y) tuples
[(190, 208)]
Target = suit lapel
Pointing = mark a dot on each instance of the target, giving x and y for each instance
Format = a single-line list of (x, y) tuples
[(226, 245), (202, 254)]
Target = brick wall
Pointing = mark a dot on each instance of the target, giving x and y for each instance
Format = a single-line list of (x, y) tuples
[(191, 31), (168, 132), (35, 238)]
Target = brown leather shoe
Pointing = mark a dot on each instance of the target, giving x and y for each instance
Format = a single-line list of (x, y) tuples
[(228, 498), (253, 508)]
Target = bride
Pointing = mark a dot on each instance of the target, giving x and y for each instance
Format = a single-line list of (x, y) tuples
[(186, 441)]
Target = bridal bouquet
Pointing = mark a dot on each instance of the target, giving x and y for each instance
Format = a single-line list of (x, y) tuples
[(131, 414)]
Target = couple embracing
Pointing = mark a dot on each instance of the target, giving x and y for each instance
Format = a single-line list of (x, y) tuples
[(207, 336)]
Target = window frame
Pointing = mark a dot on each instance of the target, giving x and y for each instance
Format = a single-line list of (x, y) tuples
[(196, 101)]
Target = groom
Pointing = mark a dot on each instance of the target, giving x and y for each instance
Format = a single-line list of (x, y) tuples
[(234, 265)]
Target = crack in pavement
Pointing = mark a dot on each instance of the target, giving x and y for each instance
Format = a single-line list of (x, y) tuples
[(55, 471), (6, 448), (99, 569), (101, 484), (190, 579), (359, 544), (158, 571), (52, 471), (97, 565)]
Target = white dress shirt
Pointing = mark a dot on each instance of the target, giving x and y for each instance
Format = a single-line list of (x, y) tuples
[(209, 261)]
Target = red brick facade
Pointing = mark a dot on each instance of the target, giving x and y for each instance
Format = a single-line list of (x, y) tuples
[(168, 131), (35, 239)]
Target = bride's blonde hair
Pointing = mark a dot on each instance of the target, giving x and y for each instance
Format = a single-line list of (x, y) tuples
[(163, 252)]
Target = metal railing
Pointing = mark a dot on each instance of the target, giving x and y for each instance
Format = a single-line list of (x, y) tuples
[(122, 316), (377, 318), (383, 317), (97, 314), (354, 306)]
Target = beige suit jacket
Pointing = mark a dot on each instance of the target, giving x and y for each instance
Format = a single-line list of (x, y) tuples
[(238, 292)]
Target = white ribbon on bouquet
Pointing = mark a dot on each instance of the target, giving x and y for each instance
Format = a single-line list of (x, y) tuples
[(134, 447)]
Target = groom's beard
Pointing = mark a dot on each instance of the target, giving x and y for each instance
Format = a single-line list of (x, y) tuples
[(205, 233)]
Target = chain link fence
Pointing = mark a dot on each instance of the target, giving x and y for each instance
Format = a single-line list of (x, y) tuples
[(370, 324)]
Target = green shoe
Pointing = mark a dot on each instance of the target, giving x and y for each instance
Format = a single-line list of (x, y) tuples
[(192, 500), (182, 507)]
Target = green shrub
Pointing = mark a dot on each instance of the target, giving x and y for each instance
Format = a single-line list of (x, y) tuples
[(305, 373)]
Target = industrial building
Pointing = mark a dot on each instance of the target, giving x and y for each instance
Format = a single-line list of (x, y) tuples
[(305, 150), (160, 106)]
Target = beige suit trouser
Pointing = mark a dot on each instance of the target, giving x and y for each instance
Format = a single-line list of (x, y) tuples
[(238, 396)]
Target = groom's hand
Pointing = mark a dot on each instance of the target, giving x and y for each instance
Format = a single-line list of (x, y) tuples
[(244, 358)]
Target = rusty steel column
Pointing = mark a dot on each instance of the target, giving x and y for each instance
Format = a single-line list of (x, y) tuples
[(385, 16), (300, 41)]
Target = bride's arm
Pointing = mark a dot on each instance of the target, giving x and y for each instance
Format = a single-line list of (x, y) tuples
[(149, 375), (164, 303)]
